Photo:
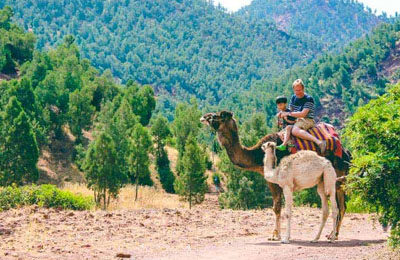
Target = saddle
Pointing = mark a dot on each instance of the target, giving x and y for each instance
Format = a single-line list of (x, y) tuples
[(322, 131)]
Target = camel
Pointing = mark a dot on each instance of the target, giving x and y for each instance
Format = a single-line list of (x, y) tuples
[(251, 159), (299, 171)]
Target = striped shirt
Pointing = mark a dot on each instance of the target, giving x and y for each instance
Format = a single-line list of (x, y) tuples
[(298, 104)]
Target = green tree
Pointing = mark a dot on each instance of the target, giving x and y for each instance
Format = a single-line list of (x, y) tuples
[(101, 172), (191, 184), (186, 123), (245, 190), (140, 146), (80, 112), (19, 152), (161, 131), (373, 135)]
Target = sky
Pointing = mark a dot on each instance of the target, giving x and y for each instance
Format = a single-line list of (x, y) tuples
[(388, 6)]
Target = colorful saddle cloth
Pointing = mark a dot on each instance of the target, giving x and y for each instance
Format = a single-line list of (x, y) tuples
[(321, 131)]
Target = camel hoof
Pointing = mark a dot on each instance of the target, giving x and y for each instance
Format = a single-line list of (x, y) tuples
[(275, 236), (332, 236), (314, 241), (285, 241)]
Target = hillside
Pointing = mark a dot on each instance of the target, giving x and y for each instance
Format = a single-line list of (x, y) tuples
[(180, 47), (340, 83), (333, 22)]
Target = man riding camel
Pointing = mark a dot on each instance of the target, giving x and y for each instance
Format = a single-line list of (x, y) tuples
[(302, 108)]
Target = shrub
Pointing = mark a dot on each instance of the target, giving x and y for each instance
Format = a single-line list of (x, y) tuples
[(373, 135), (308, 197), (48, 196)]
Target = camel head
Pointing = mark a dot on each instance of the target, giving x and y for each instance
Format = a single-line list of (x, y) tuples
[(270, 155), (224, 124)]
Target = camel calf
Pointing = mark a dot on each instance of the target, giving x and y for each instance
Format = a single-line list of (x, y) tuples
[(299, 171)]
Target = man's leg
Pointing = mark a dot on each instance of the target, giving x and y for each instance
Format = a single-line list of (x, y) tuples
[(305, 135)]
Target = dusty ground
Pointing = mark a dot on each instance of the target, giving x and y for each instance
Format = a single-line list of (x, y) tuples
[(205, 232)]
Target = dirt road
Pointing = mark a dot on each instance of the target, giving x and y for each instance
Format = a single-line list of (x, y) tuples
[(204, 232)]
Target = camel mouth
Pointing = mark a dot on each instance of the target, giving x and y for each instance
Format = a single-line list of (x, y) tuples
[(204, 121)]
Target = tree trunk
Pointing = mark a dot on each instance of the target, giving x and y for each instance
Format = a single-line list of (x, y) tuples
[(104, 199), (137, 186)]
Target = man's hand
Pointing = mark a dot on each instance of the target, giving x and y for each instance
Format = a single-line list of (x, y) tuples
[(284, 114)]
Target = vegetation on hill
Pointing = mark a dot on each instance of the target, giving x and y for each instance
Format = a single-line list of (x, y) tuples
[(182, 48), (16, 46), (339, 83), (333, 22)]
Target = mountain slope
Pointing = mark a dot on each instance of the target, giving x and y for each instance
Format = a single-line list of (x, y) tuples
[(180, 47), (339, 83), (331, 21)]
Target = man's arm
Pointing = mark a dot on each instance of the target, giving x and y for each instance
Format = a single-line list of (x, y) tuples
[(303, 113)]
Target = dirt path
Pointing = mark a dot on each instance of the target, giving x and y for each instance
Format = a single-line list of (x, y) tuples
[(204, 232)]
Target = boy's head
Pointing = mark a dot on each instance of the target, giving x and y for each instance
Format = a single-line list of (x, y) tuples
[(281, 102)]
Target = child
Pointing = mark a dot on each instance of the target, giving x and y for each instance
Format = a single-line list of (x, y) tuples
[(284, 122)]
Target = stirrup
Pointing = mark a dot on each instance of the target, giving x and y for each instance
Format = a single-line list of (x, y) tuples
[(281, 147)]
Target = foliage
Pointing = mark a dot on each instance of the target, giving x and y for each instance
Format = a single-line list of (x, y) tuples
[(161, 131), (46, 195), (191, 184), (182, 47), (137, 159), (102, 174), (245, 190), (307, 197), (186, 123), (19, 152), (339, 83), (16, 46), (331, 22), (373, 135), (167, 177)]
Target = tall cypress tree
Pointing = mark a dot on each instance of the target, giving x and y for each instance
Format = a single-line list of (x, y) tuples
[(138, 155), (18, 149), (191, 184), (160, 132)]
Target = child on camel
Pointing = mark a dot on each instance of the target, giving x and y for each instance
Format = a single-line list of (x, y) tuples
[(284, 122)]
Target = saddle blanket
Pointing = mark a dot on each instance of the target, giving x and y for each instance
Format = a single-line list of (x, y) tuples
[(322, 131)]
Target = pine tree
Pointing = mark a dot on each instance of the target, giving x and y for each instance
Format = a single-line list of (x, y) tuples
[(18, 147), (186, 123), (191, 184), (138, 155), (80, 112), (102, 175), (160, 132)]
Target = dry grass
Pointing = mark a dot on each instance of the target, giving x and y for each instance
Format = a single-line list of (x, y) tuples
[(148, 197)]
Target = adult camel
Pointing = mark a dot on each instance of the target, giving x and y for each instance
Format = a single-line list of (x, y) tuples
[(251, 159)]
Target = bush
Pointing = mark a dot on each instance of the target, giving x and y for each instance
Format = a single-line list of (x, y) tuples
[(48, 196), (308, 197), (373, 135)]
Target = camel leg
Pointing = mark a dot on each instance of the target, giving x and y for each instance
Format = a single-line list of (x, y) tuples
[(288, 193), (325, 209), (341, 202), (332, 198), (276, 192)]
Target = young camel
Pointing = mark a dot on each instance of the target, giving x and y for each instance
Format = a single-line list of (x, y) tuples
[(299, 171)]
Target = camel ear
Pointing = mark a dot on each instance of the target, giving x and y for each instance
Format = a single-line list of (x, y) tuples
[(226, 114)]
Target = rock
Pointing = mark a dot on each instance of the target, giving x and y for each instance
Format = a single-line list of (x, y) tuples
[(83, 246), (123, 255), (70, 214)]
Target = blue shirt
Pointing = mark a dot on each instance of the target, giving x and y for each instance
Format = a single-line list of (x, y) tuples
[(298, 104)]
